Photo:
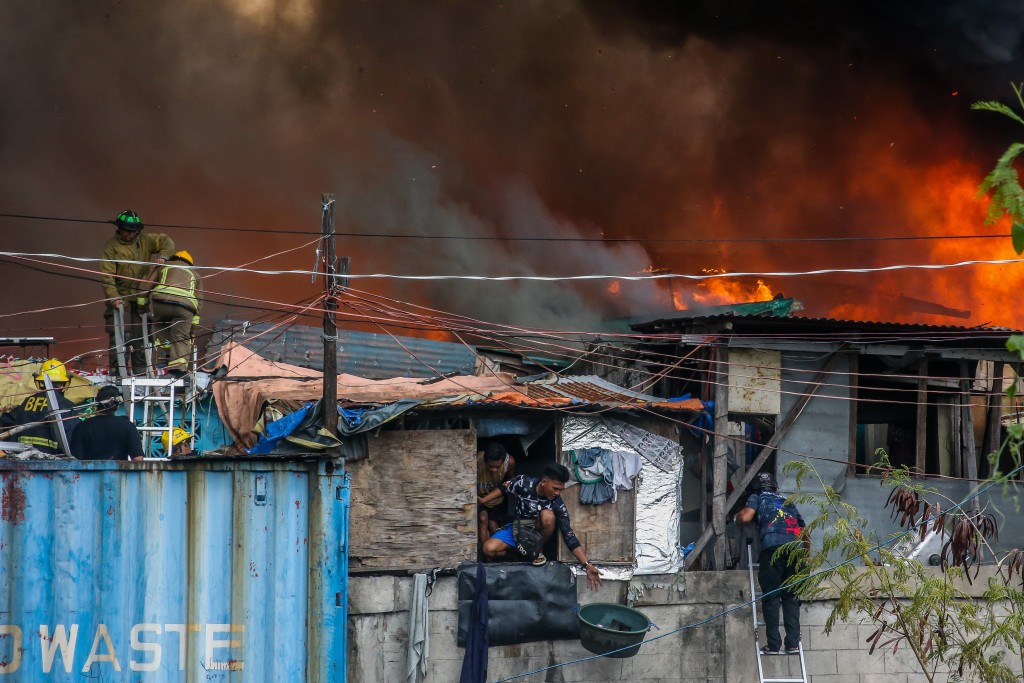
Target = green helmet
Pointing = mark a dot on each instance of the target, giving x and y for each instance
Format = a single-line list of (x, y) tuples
[(128, 220)]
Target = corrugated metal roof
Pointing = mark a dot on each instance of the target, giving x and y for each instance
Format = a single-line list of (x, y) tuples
[(375, 356), (759, 320), (173, 571)]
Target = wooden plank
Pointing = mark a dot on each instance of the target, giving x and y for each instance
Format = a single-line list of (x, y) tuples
[(993, 430), (719, 461), (967, 427), (606, 531), (921, 442), (739, 487), (414, 501), (851, 447)]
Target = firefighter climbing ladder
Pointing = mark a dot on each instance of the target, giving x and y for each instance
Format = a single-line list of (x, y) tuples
[(755, 597)]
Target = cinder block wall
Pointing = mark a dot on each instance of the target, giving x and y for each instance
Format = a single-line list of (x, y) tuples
[(720, 651)]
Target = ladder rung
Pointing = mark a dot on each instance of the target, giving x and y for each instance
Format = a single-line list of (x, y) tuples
[(783, 680)]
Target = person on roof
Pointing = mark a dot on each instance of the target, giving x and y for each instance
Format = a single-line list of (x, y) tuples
[(175, 295), (493, 466), (35, 411), (105, 435), (779, 523), (125, 268), (540, 508)]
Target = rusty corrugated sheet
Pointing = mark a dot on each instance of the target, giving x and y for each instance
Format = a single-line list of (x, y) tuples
[(374, 356), (187, 571)]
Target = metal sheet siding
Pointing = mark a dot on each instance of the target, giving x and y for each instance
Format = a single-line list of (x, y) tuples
[(365, 354), (188, 571)]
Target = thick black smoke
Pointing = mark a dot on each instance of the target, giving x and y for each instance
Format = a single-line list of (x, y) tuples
[(563, 118)]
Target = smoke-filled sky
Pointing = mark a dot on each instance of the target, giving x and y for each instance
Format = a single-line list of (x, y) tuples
[(564, 118)]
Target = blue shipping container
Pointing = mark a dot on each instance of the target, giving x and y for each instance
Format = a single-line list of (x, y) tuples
[(204, 570)]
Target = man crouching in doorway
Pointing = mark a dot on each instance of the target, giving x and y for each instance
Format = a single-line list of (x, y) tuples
[(539, 505), (493, 466)]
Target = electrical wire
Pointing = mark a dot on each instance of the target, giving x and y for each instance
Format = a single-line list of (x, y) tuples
[(499, 238), (556, 278)]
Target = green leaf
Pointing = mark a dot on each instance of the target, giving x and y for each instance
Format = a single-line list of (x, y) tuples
[(1017, 233), (997, 107)]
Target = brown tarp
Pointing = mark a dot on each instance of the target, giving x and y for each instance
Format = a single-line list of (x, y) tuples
[(252, 381)]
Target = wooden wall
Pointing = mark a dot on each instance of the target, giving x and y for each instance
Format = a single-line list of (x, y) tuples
[(414, 501)]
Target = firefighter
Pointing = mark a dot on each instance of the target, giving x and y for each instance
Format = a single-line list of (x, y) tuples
[(122, 281), (180, 440), (175, 297), (35, 410)]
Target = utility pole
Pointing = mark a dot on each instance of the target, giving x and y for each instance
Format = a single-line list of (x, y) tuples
[(330, 333)]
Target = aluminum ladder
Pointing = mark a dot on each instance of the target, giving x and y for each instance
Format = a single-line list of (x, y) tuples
[(152, 394), (755, 597)]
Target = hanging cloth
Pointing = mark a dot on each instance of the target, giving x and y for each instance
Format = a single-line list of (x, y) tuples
[(474, 663), (419, 631)]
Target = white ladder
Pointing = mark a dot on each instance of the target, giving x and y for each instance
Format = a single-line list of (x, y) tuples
[(755, 597), (150, 394)]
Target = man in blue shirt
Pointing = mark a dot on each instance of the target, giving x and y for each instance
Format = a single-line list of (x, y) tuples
[(778, 523), (538, 504)]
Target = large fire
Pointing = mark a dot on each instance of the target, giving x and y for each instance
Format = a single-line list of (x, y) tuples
[(719, 292)]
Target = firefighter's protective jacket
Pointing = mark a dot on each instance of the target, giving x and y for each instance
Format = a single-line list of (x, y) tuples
[(116, 277), (177, 283), (36, 408)]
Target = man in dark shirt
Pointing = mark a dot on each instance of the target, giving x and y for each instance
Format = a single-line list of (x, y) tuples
[(538, 503), (35, 410), (106, 436), (779, 523)]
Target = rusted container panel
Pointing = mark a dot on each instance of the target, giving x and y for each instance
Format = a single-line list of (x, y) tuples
[(173, 571), (755, 380)]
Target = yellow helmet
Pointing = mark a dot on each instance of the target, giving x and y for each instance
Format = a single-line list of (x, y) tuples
[(177, 436), (185, 256), (54, 369)]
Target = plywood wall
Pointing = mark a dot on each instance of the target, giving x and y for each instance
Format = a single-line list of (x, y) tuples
[(414, 501)]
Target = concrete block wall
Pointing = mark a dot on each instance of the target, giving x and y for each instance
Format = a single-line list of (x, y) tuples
[(719, 651)]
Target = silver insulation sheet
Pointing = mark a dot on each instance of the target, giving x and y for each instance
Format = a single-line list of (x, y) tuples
[(656, 540)]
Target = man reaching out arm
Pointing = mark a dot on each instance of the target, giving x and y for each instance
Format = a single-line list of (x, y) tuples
[(539, 504)]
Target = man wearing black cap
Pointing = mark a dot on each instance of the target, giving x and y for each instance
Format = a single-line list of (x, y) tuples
[(125, 267), (779, 523)]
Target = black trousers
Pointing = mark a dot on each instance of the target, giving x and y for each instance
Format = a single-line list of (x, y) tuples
[(771, 575)]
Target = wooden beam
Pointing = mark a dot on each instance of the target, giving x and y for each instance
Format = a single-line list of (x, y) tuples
[(739, 486), (719, 465), (993, 425), (330, 334), (921, 442), (967, 430), (851, 446)]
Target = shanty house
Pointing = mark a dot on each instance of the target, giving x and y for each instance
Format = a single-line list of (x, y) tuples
[(831, 393)]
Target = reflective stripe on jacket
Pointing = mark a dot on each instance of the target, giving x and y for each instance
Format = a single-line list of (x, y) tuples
[(177, 284)]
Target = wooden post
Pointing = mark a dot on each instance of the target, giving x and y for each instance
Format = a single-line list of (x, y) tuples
[(967, 430), (330, 334), (719, 467), (921, 440), (993, 424)]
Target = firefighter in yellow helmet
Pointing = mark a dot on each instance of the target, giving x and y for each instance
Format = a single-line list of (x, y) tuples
[(179, 440), (126, 266), (175, 296), (35, 410)]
